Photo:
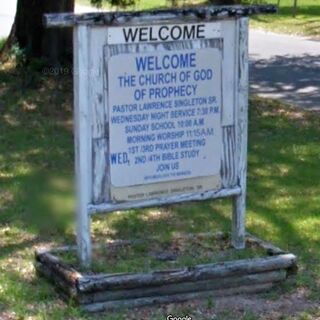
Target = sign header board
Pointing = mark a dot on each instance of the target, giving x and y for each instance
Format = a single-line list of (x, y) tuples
[(164, 33)]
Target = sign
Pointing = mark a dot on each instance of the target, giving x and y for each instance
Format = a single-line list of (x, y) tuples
[(160, 110), (164, 33), (164, 117)]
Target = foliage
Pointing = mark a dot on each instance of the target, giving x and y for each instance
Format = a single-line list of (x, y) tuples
[(120, 3), (306, 22), (254, 2), (150, 4), (2, 42), (18, 55)]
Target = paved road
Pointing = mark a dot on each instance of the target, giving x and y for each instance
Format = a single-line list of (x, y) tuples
[(8, 9), (281, 66), (285, 67)]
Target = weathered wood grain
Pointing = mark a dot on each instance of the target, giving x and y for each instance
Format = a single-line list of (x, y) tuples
[(99, 117), (96, 81), (83, 141), (196, 13), (185, 287), (228, 160), (134, 303), (96, 283), (100, 171), (65, 271), (69, 290), (239, 201), (213, 194), (228, 71)]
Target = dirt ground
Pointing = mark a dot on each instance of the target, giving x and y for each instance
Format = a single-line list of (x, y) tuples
[(274, 305)]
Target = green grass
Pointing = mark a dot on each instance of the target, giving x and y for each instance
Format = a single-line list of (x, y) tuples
[(2, 42), (306, 22), (37, 203), (160, 254)]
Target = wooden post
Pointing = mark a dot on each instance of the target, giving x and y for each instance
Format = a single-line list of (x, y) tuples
[(82, 125), (239, 201)]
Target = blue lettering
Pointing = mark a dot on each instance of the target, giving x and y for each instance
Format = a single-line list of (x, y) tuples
[(141, 63), (119, 158)]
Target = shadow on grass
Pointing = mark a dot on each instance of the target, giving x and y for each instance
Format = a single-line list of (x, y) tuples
[(36, 155), (173, 219), (36, 167), (292, 78), (302, 10), (306, 21), (284, 173), (286, 12), (283, 183)]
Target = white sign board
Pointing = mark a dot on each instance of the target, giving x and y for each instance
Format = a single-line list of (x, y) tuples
[(164, 116)]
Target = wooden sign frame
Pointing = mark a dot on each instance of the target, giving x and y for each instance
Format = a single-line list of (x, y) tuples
[(91, 109)]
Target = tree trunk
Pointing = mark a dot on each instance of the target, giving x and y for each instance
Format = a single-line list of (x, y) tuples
[(54, 46), (9, 43), (294, 9)]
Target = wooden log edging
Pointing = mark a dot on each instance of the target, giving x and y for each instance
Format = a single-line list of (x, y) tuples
[(183, 287), (67, 289), (65, 271), (175, 298), (112, 291), (96, 283)]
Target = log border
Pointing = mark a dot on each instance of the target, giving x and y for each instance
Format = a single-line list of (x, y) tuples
[(102, 292)]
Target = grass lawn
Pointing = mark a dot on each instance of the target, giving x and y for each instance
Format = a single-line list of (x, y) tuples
[(37, 204), (2, 42), (306, 22), (146, 4), (154, 253)]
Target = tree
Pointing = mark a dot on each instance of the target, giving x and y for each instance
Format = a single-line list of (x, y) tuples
[(295, 7), (37, 42), (53, 46)]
